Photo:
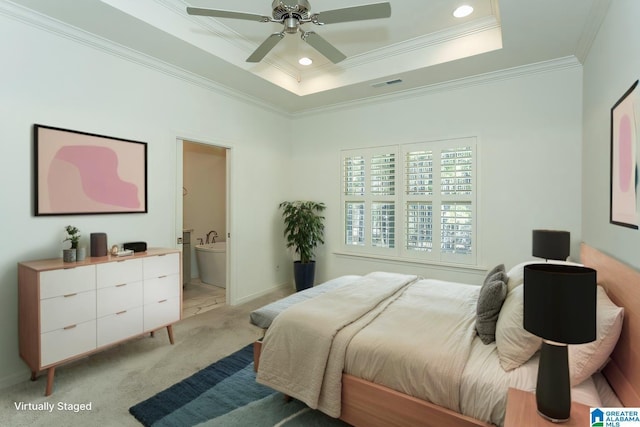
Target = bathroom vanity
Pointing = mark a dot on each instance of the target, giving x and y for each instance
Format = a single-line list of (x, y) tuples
[(70, 310)]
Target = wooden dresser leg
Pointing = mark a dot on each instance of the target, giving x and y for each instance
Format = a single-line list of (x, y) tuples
[(170, 332), (152, 334), (34, 375), (50, 373)]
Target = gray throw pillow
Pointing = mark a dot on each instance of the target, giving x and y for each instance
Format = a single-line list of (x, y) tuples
[(490, 300), (497, 273)]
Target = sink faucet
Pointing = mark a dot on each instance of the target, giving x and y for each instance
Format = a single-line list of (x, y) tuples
[(212, 234)]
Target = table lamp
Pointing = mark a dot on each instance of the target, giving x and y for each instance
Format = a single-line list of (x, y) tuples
[(560, 308), (551, 244)]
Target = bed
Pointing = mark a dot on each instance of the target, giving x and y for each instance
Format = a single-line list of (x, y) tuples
[(363, 401)]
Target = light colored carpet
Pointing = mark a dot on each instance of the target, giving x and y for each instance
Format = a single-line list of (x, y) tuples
[(119, 377)]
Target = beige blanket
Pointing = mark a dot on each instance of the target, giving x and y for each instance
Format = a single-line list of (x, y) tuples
[(421, 343), (299, 356)]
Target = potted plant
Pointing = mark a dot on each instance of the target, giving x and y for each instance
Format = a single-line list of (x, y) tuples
[(69, 255), (303, 229)]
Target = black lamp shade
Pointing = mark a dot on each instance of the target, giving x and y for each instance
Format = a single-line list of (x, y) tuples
[(560, 302), (551, 244)]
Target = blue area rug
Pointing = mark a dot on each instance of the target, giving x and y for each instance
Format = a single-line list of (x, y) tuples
[(226, 394)]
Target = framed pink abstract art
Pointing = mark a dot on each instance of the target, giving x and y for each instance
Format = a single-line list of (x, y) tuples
[(78, 173), (625, 126)]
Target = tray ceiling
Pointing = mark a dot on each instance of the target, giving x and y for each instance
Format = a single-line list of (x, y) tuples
[(422, 44)]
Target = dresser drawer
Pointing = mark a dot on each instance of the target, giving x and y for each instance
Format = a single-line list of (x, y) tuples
[(161, 265), (119, 297), (161, 313), (119, 326), (161, 288), (63, 311), (116, 273), (65, 343), (54, 283)]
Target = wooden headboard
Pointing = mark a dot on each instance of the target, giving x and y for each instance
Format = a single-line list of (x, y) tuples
[(622, 284)]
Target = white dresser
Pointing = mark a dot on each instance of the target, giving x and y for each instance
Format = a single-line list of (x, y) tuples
[(70, 310)]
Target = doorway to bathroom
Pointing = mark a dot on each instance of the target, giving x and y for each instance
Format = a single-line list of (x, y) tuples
[(204, 223)]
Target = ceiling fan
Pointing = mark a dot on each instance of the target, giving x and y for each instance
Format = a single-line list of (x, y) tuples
[(293, 14)]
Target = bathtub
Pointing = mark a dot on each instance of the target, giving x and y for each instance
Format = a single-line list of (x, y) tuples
[(211, 259)]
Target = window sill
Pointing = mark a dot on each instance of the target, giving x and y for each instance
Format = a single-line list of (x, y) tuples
[(405, 261)]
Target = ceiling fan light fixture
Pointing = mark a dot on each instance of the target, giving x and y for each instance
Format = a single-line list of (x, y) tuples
[(462, 11), (291, 25), (305, 61)]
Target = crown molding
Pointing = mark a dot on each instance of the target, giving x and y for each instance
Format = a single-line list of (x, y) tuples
[(414, 45), (596, 15), (42, 22), (55, 27), (451, 85)]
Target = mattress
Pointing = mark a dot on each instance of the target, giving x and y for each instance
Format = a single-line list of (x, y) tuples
[(263, 316)]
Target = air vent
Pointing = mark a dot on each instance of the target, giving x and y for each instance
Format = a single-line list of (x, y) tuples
[(387, 83)]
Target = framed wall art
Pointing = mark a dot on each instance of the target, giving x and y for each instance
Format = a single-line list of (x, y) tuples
[(625, 125), (79, 173)]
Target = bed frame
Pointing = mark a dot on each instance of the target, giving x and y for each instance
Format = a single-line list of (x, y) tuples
[(622, 284), (372, 405)]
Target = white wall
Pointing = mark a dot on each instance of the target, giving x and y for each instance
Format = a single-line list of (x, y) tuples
[(529, 133), (53, 80), (613, 64)]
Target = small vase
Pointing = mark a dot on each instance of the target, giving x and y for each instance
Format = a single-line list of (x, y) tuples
[(69, 255), (81, 254)]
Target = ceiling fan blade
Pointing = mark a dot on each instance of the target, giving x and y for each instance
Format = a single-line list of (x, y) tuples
[(323, 46), (265, 47), (226, 14), (356, 13)]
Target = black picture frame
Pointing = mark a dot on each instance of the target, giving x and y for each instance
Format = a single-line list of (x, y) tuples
[(624, 199), (82, 173)]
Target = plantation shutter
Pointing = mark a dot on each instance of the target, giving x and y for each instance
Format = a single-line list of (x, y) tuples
[(414, 201)]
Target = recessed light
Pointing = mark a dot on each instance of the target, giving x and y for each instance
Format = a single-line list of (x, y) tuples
[(305, 61), (462, 11)]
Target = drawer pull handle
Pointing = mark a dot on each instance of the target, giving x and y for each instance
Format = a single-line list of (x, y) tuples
[(160, 302), (121, 312), (70, 295), (66, 328), (162, 277), (121, 285)]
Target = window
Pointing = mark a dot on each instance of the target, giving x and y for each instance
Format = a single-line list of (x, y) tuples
[(415, 201)]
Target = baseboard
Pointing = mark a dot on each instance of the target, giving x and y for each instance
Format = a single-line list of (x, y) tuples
[(251, 297), (15, 378)]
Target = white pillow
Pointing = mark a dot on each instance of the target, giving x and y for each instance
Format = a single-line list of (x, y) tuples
[(586, 359), (516, 274), (514, 344)]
